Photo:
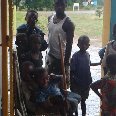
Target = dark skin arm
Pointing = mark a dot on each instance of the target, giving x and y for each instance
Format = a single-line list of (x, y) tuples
[(69, 28), (95, 64), (96, 90)]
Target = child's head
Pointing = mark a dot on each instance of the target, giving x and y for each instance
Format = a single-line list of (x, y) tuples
[(41, 77), (31, 17), (114, 31), (83, 43), (26, 70), (111, 63), (21, 40), (35, 41)]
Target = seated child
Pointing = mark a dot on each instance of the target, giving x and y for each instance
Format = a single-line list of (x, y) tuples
[(80, 75), (34, 55), (108, 88), (28, 84), (48, 93)]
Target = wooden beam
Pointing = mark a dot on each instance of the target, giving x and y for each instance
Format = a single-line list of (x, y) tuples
[(106, 22), (11, 8), (4, 58)]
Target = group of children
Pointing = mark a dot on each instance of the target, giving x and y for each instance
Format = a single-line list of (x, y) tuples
[(43, 90)]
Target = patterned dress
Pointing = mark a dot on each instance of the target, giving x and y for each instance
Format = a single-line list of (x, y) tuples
[(107, 84)]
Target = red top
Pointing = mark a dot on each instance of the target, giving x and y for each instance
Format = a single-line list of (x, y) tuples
[(106, 85)]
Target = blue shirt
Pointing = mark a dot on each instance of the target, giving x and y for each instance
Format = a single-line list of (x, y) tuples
[(52, 90), (25, 28), (80, 68)]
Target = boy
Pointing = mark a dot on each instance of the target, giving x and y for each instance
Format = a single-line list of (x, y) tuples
[(28, 86), (31, 28), (34, 55), (108, 88), (80, 71), (49, 94)]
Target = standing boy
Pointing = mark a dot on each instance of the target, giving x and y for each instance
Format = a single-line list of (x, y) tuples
[(80, 71)]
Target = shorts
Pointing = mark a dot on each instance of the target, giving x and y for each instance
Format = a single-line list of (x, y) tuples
[(82, 91)]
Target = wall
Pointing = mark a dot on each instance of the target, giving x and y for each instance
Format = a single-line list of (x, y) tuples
[(113, 17)]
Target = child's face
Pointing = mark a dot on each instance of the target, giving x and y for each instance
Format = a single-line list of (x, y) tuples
[(27, 71), (83, 45), (36, 44), (43, 82)]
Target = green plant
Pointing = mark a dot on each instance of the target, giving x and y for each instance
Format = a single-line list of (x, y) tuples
[(99, 11), (88, 7)]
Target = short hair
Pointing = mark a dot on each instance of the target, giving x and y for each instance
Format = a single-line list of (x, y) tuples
[(25, 64), (83, 38), (110, 60), (31, 11), (21, 35), (24, 67), (20, 38)]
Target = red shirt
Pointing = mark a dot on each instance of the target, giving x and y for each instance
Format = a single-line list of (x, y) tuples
[(106, 84)]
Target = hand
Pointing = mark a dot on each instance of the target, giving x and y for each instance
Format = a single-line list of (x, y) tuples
[(56, 100), (64, 93)]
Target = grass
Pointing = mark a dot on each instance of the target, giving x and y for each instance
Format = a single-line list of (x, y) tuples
[(87, 24)]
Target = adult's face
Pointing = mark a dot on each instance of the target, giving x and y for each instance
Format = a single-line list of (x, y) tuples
[(31, 18), (59, 8)]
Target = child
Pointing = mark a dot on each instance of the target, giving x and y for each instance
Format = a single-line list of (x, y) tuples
[(22, 45), (49, 94), (26, 69), (110, 49), (34, 55), (80, 71), (31, 28), (28, 85), (108, 88)]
